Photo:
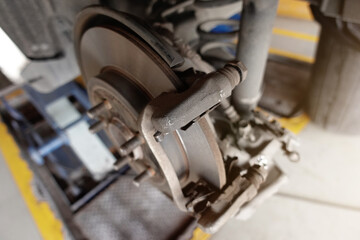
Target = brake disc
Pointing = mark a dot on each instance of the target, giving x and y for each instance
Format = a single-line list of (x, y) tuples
[(126, 64)]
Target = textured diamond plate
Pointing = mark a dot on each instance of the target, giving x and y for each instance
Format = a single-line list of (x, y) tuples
[(124, 211)]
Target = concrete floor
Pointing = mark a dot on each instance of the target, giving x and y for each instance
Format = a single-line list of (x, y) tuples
[(321, 199), (15, 220)]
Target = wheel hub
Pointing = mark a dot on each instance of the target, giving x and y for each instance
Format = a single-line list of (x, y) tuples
[(121, 68)]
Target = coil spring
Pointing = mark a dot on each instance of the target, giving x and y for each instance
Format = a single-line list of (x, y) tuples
[(218, 36)]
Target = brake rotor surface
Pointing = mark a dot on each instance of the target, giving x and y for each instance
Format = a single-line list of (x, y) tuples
[(120, 66)]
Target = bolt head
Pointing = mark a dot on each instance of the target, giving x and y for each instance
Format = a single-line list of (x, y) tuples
[(262, 161)]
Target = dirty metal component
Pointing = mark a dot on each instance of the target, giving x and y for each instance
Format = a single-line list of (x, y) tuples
[(120, 163), (173, 111), (159, 124), (230, 111), (131, 144), (143, 176), (227, 205), (187, 51), (262, 161), (98, 109), (97, 127), (253, 44), (166, 52), (241, 190), (289, 142), (104, 51), (128, 99), (147, 130)]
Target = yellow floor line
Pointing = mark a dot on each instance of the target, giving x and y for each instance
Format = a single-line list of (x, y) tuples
[(295, 124), (291, 55), (49, 226), (294, 9), (199, 234), (292, 34)]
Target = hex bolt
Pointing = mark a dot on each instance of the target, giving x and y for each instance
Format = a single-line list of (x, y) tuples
[(96, 127), (256, 175), (100, 108), (120, 163), (130, 145), (262, 161), (143, 176), (159, 136)]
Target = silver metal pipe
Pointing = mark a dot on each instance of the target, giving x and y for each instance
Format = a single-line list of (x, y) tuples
[(253, 45)]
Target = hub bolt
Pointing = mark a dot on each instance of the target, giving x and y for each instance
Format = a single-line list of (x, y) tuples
[(131, 144), (120, 163), (96, 127), (99, 109), (143, 176)]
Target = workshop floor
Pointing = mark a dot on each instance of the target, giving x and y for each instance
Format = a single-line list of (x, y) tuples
[(15, 220), (320, 201)]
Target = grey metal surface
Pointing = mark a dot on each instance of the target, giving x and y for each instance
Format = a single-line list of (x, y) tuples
[(101, 47), (30, 24), (173, 111), (138, 26), (37, 39), (127, 212), (253, 44), (47, 75)]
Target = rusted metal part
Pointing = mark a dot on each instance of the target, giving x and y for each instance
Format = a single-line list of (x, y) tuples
[(98, 126), (129, 87), (131, 144), (120, 163), (173, 111), (144, 176), (147, 130), (232, 198), (99, 109), (159, 127)]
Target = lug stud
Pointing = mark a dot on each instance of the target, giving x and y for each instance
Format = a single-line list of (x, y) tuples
[(120, 163), (143, 176), (96, 127), (100, 108), (130, 145)]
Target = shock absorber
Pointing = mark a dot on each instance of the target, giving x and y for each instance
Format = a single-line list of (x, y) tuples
[(253, 45), (218, 32)]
